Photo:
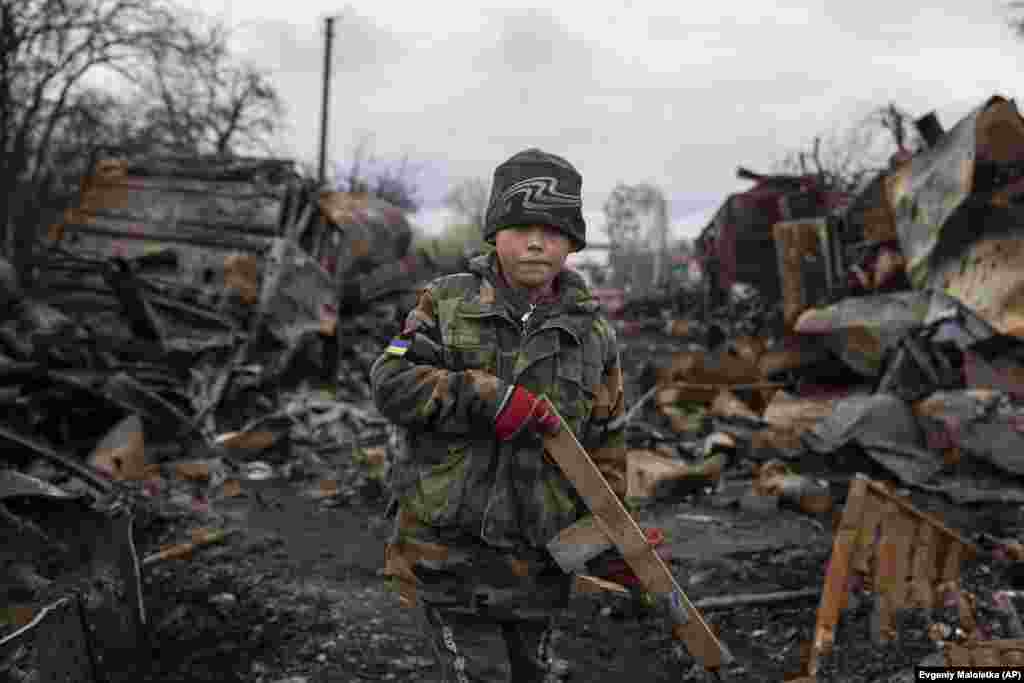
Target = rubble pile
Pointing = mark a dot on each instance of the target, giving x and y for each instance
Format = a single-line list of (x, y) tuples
[(196, 330), (895, 349), (922, 381), (263, 352), (189, 327)]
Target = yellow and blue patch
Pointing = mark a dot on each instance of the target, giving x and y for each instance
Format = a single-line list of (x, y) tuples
[(398, 346)]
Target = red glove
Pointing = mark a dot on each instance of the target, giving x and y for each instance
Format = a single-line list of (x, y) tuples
[(619, 572), (523, 409)]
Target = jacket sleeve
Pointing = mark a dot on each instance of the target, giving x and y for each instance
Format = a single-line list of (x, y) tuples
[(605, 437), (413, 387)]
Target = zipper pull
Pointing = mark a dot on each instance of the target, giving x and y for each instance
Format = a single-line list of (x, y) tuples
[(526, 316)]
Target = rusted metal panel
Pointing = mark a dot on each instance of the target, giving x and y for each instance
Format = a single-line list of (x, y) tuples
[(209, 233), (986, 275), (958, 223), (802, 265), (739, 236), (203, 210), (927, 192), (869, 216), (172, 195), (209, 214)]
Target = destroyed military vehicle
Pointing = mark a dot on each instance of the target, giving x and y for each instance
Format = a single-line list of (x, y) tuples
[(216, 244), (738, 245), (244, 231)]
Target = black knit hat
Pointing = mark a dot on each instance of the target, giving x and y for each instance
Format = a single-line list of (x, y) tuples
[(534, 187)]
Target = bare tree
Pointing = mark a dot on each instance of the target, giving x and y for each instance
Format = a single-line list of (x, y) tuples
[(620, 214), (1016, 11), (56, 59), (628, 210), (366, 173), (48, 50), (93, 118), (203, 102), (897, 122), (845, 160), (354, 179), (468, 201), (397, 184)]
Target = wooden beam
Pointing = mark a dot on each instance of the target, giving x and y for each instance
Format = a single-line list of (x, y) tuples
[(619, 526)]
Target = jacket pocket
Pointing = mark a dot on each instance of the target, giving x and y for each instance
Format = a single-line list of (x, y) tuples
[(576, 390), (558, 507), (438, 493), (472, 342), (474, 358)]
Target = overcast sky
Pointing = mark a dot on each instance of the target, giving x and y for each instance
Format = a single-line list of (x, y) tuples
[(677, 94)]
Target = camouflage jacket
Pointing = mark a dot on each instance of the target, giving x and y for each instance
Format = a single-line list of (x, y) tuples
[(467, 341)]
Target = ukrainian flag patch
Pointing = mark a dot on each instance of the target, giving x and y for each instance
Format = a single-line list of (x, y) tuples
[(398, 347)]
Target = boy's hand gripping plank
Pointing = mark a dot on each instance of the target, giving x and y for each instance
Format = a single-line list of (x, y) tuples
[(622, 530)]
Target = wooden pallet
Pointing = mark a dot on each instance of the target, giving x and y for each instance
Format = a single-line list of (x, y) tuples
[(909, 558), (985, 653)]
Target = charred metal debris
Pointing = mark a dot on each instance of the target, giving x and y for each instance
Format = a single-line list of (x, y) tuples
[(190, 325), (196, 323), (842, 347)]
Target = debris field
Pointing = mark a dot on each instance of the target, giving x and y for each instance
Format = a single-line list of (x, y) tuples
[(829, 434)]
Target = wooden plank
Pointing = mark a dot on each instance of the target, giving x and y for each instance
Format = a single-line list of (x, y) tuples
[(912, 511), (943, 545), (796, 245), (866, 547), (644, 471), (619, 526), (585, 584), (984, 655), (951, 563), (834, 592), (958, 655), (858, 507), (967, 609), (857, 501), (886, 569), (922, 566), (903, 532)]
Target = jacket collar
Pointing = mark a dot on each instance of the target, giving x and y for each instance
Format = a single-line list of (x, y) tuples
[(573, 295)]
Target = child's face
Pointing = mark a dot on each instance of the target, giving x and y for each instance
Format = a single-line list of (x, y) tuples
[(531, 255)]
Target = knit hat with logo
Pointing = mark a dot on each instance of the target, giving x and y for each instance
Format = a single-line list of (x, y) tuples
[(534, 187)]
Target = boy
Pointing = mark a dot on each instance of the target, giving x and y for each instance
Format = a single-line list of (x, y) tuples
[(470, 377)]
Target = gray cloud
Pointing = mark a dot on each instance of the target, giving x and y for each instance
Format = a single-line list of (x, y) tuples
[(359, 44), (630, 94)]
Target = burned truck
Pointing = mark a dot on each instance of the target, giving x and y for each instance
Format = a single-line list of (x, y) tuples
[(738, 246), (210, 228), (182, 258), (180, 302)]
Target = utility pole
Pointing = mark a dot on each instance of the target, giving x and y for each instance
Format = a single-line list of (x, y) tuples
[(329, 38)]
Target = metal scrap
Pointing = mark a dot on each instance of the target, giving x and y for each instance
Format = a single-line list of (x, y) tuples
[(187, 310), (82, 552)]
